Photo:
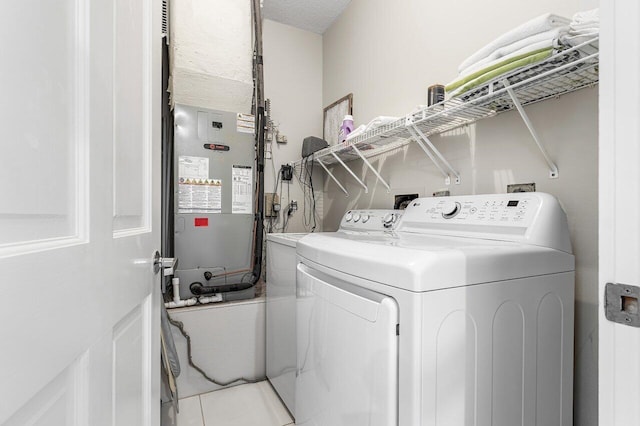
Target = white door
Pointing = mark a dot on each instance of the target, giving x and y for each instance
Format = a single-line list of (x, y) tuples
[(79, 212), (619, 357)]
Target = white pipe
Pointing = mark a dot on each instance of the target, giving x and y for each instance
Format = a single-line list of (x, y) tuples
[(176, 289), (211, 299), (178, 303), (181, 303)]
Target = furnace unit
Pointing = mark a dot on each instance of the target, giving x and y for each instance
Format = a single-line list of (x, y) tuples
[(214, 191)]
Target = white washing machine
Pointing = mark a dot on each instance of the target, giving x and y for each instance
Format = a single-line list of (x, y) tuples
[(463, 315), (281, 294)]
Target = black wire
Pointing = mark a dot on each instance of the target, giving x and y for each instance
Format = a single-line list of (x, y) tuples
[(180, 326), (313, 196)]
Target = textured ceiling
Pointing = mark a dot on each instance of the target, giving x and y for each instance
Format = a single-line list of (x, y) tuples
[(311, 15)]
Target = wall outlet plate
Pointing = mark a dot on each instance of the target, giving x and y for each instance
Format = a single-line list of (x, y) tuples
[(521, 187), (401, 201), (270, 199)]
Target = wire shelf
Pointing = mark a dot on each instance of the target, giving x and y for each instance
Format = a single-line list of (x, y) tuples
[(567, 70), (371, 143)]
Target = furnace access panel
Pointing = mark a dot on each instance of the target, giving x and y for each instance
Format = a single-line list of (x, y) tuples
[(214, 159)]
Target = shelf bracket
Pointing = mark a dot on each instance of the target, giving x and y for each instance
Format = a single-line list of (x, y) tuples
[(366, 190), (421, 139), (333, 177), (375, 172), (553, 169)]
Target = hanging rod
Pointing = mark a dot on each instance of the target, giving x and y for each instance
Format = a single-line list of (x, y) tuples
[(366, 190), (553, 169), (371, 168), (420, 137), (416, 138), (332, 177)]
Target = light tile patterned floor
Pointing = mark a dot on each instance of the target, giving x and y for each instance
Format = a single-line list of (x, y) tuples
[(254, 404)]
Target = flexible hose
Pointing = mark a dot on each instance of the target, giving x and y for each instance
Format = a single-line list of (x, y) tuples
[(180, 326)]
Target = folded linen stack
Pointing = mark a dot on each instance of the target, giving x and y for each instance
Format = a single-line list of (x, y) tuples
[(584, 26), (373, 124), (529, 43)]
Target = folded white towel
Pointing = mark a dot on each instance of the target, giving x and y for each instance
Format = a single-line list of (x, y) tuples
[(537, 25), (373, 124), (356, 132), (584, 27), (380, 121), (577, 39), (592, 15), (529, 44)]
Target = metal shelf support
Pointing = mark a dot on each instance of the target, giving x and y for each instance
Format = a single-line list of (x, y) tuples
[(333, 177), (421, 139), (553, 169), (375, 172), (366, 190)]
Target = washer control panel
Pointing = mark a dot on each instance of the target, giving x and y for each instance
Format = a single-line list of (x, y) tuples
[(370, 220), (492, 210), (532, 217)]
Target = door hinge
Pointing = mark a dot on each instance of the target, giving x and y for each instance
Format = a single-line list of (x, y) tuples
[(621, 304)]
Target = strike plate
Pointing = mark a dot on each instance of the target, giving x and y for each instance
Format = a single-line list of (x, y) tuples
[(621, 304)]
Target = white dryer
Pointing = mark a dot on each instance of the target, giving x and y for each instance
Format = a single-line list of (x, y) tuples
[(281, 294), (463, 315)]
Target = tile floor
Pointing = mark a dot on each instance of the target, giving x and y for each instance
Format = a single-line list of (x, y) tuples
[(253, 404)]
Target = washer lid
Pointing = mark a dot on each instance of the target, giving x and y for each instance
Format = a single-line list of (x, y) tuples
[(424, 263), (288, 239)]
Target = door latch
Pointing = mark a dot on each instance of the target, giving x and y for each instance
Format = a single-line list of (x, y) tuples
[(621, 304), (167, 264)]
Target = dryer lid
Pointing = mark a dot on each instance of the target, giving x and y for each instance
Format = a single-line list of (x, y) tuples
[(421, 263)]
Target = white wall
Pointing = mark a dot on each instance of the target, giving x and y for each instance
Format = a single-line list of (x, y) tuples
[(293, 83), (227, 342), (211, 54), (388, 56)]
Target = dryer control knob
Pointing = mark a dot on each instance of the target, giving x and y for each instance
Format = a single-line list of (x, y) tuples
[(365, 218), (450, 209), (348, 217), (356, 217), (388, 220)]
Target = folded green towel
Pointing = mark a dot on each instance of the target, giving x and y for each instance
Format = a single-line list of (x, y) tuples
[(494, 70)]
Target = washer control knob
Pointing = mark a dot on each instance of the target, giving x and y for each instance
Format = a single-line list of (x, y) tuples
[(450, 209), (348, 217), (388, 220), (365, 218), (356, 217)]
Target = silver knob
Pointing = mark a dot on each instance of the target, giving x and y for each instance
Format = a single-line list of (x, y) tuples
[(388, 220), (450, 209)]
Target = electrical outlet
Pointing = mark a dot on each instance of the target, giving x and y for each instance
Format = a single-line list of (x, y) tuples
[(280, 138), (521, 187), (401, 201), (270, 199), (442, 193), (286, 172)]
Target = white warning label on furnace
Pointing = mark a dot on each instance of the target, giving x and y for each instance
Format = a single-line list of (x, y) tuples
[(199, 195), (242, 177), (193, 167), (246, 123)]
